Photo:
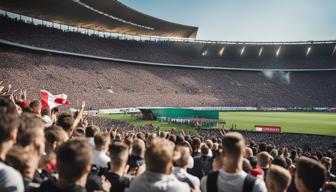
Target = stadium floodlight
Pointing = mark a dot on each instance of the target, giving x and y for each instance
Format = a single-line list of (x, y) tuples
[(260, 51), (242, 51), (308, 51), (334, 51), (205, 52), (278, 52), (221, 51)]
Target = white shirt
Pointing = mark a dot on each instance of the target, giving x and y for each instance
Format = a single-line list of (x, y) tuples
[(181, 174), (10, 179), (91, 140), (156, 182), (191, 162), (233, 182), (100, 159)]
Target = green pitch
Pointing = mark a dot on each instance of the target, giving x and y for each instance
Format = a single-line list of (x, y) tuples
[(294, 122)]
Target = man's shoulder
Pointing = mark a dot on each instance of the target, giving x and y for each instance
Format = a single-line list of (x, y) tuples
[(259, 186), (9, 174), (179, 186)]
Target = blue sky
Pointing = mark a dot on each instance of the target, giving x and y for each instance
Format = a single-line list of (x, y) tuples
[(248, 20)]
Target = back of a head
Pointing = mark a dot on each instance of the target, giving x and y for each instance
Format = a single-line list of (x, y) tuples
[(118, 154), (35, 106), (248, 152), (264, 159), (55, 134), (280, 161), (233, 145), (159, 155), (65, 120), (209, 143), (91, 130), (17, 157), (101, 140), (326, 161), (278, 178), (204, 150), (311, 173), (30, 130), (181, 156), (9, 119), (138, 147), (196, 143), (46, 111), (74, 159)]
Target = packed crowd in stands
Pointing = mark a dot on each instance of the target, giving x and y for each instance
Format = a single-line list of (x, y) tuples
[(47, 150), (104, 84), (161, 52)]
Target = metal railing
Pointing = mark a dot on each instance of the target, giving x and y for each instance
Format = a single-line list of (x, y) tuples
[(123, 36)]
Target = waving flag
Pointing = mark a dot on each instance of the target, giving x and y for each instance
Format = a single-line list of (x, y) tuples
[(51, 101)]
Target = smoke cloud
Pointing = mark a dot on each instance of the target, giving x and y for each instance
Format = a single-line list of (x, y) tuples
[(277, 75)]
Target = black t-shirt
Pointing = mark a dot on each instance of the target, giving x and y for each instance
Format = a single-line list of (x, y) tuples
[(49, 186), (119, 184), (202, 166), (135, 161), (93, 182)]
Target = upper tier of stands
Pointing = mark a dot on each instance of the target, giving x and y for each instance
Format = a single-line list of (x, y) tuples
[(105, 15), (291, 56)]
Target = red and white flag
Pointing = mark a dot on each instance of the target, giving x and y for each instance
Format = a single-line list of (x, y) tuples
[(51, 101)]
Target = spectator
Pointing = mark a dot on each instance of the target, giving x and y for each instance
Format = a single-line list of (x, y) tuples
[(31, 138), (137, 157), (73, 165), (46, 117), (65, 120), (326, 161), (278, 179), (99, 158), (264, 160), (232, 178), (54, 137), (310, 175), (10, 179), (159, 166), (181, 162), (116, 174), (35, 107), (202, 164), (90, 132)]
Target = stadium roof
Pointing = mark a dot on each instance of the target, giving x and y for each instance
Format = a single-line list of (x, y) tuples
[(104, 15)]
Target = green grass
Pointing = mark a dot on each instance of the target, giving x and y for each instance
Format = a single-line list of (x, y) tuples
[(294, 122)]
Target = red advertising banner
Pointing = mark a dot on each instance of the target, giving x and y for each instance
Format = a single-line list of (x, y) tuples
[(268, 129)]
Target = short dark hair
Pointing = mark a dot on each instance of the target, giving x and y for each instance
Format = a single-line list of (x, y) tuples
[(73, 157), (91, 130), (9, 119), (118, 154), (65, 120), (181, 155), (101, 140), (45, 111), (158, 155), (204, 150), (34, 103), (17, 157), (233, 145), (55, 134), (29, 129), (138, 147), (311, 172)]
